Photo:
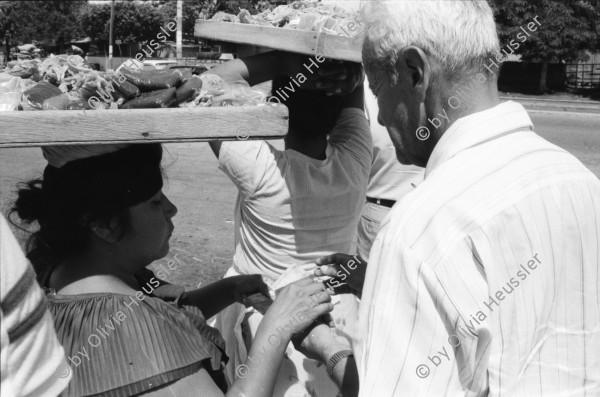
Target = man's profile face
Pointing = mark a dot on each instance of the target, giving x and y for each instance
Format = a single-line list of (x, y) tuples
[(399, 112)]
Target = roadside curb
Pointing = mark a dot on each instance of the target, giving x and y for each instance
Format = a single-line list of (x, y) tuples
[(555, 105)]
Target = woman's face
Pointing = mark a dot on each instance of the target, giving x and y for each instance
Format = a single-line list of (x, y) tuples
[(150, 228)]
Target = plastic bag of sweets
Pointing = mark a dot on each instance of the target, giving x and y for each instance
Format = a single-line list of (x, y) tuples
[(8, 82), (189, 90), (25, 69), (65, 102), (35, 96), (155, 99), (127, 89), (235, 94), (151, 80), (59, 102), (186, 74), (26, 47), (11, 90), (10, 101)]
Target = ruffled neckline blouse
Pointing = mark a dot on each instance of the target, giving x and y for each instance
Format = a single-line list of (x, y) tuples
[(121, 345)]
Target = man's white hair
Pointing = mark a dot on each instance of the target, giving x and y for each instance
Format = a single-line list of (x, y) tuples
[(461, 35)]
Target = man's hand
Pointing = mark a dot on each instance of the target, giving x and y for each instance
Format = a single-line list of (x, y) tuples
[(339, 78), (321, 343), (347, 272)]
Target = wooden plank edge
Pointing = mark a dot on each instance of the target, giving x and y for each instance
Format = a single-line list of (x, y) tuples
[(139, 141), (299, 41), (153, 125)]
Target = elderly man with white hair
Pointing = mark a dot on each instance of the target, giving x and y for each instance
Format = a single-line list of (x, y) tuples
[(484, 280)]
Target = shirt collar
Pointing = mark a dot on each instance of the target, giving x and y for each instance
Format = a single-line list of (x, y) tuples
[(478, 128)]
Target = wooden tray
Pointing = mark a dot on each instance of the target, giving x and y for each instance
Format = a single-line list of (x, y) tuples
[(74, 127), (292, 40)]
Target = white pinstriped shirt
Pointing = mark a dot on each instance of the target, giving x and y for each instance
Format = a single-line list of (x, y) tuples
[(484, 280)]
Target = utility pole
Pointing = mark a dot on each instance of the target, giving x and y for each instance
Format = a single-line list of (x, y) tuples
[(110, 36), (179, 30)]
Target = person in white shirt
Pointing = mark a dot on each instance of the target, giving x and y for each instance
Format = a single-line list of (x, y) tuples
[(389, 181), (484, 280), (298, 204), (32, 360)]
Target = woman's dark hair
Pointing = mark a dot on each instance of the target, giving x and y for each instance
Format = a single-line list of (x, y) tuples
[(69, 199)]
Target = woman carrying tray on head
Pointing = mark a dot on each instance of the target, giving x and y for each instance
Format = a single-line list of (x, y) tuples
[(103, 218), (298, 204)]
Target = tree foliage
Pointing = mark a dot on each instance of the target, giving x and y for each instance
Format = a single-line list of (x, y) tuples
[(568, 28), (133, 22), (192, 9), (50, 22)]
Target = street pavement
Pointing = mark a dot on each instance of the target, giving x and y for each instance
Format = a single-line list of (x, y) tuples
[(575, 132)]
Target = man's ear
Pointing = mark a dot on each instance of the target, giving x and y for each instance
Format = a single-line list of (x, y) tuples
[(413, 63), (109, 232)]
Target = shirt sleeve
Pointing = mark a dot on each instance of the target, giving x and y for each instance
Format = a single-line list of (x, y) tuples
[(412, 341), (246, 163), (352, 134), (33, 361)]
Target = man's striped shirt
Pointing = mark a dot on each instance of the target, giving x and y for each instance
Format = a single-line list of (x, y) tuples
[(32, 360), (484, 280)]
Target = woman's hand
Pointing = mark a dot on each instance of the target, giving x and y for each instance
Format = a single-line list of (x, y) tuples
[(296, 307), (216, 296), (347, 272)]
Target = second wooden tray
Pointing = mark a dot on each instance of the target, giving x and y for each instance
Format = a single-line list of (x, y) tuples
[(329, 46)]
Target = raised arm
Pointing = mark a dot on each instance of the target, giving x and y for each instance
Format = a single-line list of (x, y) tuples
[(254, 69), (300, 72)]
